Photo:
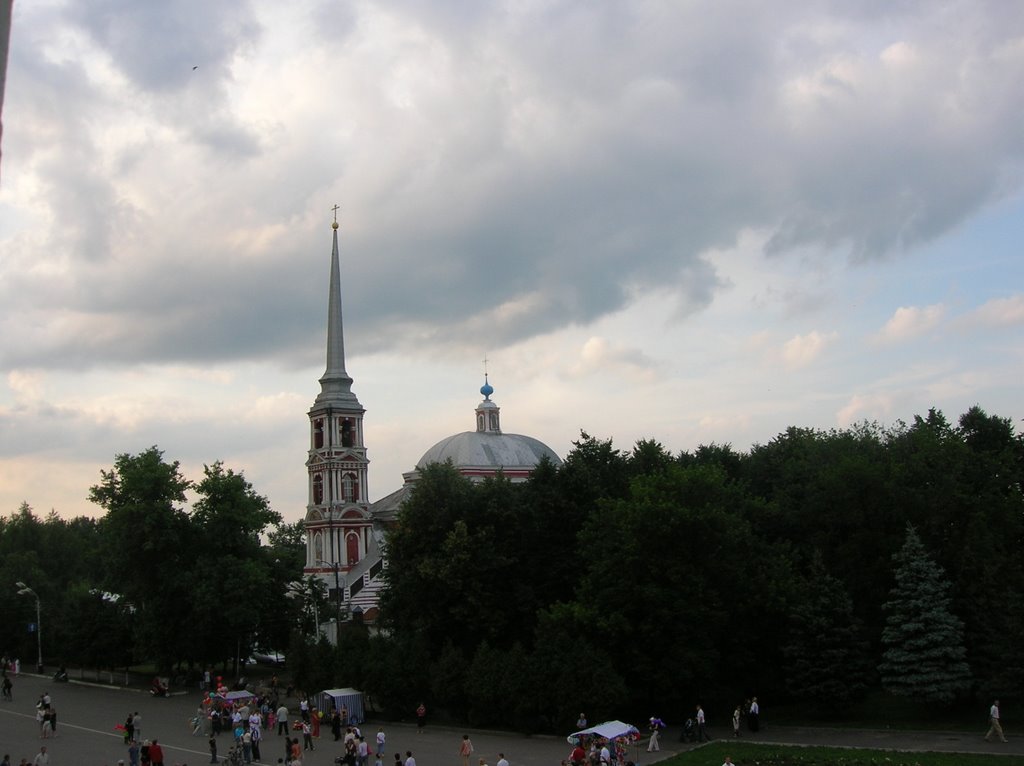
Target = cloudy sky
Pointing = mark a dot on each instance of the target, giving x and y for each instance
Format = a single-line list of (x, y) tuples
[(689, 221)]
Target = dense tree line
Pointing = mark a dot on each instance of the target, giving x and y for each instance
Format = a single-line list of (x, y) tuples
[(150, 581), (814, 567), (642, 581)]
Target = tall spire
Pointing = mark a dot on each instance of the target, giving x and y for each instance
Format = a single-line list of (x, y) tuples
[(335, 384)]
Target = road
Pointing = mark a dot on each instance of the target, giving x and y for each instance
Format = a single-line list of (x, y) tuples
[(87, 715)]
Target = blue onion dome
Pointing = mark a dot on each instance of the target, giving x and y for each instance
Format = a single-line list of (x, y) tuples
[(486, 389)]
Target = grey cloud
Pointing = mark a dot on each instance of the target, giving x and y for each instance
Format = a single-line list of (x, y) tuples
[(158, 44), (573, 160)]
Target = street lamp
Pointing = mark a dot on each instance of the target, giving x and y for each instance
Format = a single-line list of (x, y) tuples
[(24, 590), (337, 582)]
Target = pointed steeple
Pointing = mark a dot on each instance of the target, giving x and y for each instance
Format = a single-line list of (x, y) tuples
[(335, 384)]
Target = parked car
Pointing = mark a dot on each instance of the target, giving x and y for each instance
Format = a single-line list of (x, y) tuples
[(267, 657)]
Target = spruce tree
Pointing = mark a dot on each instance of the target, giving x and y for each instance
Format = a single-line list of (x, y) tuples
[(924, 655), (827, 656)]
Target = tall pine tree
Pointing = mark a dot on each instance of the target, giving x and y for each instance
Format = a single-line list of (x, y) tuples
[(924, 654), (827, 656)]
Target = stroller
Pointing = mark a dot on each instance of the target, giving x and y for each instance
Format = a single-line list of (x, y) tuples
[(689, 731)]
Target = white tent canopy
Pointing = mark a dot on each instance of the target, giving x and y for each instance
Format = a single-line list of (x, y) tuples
[(352, 699), (607, 730)]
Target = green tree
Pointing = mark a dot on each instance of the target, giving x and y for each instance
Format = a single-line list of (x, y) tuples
[(55, 557), (670, 569), (102, 636), (989, 587), (442, 580), (827, 656), (227, 520), (495, 683), (149, 547), (568, 665), (923, 639)]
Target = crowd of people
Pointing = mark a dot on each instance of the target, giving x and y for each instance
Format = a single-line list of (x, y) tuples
[(249, 719)]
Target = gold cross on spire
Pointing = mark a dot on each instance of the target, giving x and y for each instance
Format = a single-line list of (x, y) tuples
[(335, 224)]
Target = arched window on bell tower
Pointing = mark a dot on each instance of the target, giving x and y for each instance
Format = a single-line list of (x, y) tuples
[(318, 489), (348, 432), (348, 488), (352, 547), (318, 433)]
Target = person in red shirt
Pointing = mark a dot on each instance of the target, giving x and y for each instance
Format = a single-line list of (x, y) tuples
[(578, 756), (156, 754)]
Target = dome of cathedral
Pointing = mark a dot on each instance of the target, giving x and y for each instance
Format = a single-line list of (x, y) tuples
[(484, 451), (488, 451)]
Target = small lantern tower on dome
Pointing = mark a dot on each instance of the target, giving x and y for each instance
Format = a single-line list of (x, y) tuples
[(487, 412)]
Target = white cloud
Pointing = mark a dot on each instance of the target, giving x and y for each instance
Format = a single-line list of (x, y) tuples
[(998, 312), (878, 406), (801, 350), (910, 322), (599, 356)]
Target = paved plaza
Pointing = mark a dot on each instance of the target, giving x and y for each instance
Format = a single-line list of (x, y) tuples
[(87, 716)]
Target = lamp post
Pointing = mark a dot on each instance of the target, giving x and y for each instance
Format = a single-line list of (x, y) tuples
[(337, 582), (24, 590)]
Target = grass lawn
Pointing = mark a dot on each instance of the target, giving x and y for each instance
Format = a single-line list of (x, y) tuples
[(749, 754)]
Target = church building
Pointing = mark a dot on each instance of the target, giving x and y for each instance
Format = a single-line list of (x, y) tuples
[(344, 532)]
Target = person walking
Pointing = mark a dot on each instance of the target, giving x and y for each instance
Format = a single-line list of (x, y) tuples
[(381, 740), (656, 725), (994, 726), (47, 727), (754, 716), (736, 721), (257, 736), (421, 718), (133, 753), (213, 749), (702, 732), (465, 749), (307, 736), (42, 758), (282, 720)]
